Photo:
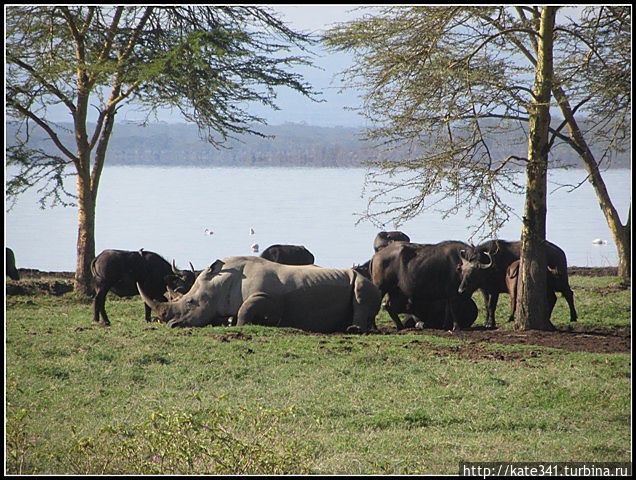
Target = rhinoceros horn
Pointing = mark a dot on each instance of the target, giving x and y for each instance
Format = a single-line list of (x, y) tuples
[(158, 307), (175, 270)]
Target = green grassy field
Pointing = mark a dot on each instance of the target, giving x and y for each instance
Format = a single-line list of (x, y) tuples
[(141, 398)]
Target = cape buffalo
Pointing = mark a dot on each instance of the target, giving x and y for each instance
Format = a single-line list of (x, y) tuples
[(288, 255), (383, 239), (415, 276), (11, 270), (490, 276), (119, 270), (255, 290)]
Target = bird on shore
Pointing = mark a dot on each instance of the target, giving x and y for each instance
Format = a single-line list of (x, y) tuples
[(251, 231), (598, 241), (207, 231)]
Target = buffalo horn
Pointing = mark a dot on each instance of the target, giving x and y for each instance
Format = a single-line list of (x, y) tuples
[(483, 265)]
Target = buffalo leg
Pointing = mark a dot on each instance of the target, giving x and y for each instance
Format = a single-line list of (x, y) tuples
[(395, 303), (491, 306), (551, 302), (453, 314), (513, 301), (569, 297), (147, 312), (99, 306), (395, 317)]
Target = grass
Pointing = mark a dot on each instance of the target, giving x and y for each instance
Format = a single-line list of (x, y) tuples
[(139, 398)]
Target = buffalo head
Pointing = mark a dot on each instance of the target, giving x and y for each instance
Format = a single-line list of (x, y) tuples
[(180, 281), (472, 270)]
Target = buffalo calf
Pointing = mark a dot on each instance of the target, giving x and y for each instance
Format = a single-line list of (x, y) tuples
[(119, 271), (512, 283)]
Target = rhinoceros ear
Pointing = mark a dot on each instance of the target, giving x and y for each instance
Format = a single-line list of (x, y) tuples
[(216, 267)]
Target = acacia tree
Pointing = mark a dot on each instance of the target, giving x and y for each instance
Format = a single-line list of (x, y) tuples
[(594, 78), (445, 88), (531, 311), (207, 63)]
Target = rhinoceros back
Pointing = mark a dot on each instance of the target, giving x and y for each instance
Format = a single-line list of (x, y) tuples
[(314, 298)]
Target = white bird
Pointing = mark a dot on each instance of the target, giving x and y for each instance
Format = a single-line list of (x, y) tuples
[(209, 232), (598, 241), (255, 247), (251, 231)]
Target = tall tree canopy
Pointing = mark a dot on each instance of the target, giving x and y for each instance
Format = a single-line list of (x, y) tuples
[(207, 63), (440, 83)]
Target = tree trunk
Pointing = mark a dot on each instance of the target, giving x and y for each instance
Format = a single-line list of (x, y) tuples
[(85, 237), (620, 233), (532, 309)]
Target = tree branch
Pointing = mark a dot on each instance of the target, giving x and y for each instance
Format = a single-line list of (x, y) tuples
[(45, 127), (53, 90)]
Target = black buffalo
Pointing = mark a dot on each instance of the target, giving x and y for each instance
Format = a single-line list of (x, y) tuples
[(288, 255), (383, 239), (484, 267), (11, 270), (423, 280), (119, 271)]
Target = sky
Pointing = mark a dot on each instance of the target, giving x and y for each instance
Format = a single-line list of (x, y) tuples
[(336, 110), (316, 18)]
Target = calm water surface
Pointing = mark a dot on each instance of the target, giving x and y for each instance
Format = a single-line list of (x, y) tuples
[(167, 210)]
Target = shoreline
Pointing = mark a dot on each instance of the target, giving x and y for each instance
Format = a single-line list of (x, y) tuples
[(34, 282), (572, 270)]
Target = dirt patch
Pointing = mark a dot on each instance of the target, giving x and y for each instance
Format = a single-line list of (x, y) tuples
[(39, 287), (593, 271), (226, 337), (473, 350), (574, 340)]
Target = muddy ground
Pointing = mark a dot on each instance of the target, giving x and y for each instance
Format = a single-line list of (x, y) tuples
[(574, 337)]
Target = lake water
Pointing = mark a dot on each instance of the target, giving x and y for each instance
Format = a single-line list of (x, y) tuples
[(167, 210)]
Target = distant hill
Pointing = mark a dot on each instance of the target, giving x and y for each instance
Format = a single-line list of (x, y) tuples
[(285, 145)]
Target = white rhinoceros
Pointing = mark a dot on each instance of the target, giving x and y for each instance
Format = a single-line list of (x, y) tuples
[(255, 290)]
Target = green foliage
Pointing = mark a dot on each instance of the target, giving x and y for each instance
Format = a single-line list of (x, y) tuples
[(181, 442)]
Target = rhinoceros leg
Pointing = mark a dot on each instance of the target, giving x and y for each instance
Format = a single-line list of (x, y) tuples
[(367, 300), (260, 308)]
